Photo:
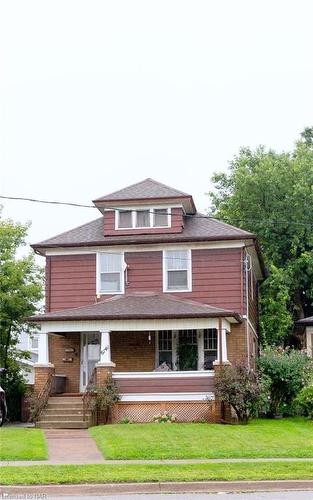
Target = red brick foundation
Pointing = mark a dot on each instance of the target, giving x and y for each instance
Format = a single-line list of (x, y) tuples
[(42, 373)]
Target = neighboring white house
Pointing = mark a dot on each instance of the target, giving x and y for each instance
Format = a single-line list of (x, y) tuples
[(29, 343), (308, 324)]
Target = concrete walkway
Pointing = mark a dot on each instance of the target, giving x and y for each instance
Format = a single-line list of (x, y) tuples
[(71, 446)]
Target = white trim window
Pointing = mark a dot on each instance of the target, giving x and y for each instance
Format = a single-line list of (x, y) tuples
[(33, 342), (210, 347), (125, 219), (110, 275), (165, 348), (177, 270), (145, 217)]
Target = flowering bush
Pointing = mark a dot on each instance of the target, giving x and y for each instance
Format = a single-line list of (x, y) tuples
[(164, 418), (304, 401), (287, 371), (243, 389)]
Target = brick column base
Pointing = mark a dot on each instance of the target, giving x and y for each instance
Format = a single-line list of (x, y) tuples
[(41, 375), (103, 372)]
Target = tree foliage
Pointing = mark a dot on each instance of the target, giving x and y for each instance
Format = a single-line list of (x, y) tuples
[(271, 195), (20, 290), (287, 371)]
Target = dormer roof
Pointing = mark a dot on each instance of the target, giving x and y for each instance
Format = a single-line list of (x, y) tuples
[(147, 191)]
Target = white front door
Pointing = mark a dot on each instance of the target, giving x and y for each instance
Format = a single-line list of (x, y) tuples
[(89, 356)]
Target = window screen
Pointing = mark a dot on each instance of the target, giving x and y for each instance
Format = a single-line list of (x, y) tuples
[(124, 219), (177, 264), (160, 217), (111, 269)]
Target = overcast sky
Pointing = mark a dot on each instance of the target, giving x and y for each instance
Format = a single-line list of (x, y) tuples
[(96, 95)]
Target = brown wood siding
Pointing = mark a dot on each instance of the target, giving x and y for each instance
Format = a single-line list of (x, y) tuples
[(144, 272), (216, 278), (165, 384), (109, 225), (71, 281)]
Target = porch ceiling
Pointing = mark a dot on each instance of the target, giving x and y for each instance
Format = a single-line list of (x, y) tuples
[(139, 306)]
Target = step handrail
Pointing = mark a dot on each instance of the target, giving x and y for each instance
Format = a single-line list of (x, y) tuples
[(39, 400), (88, 394)]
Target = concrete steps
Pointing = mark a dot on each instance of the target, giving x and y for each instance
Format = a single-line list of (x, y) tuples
[(64, 412)]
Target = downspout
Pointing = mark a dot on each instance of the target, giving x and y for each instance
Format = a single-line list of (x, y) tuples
[(247, 264), (220, 325)]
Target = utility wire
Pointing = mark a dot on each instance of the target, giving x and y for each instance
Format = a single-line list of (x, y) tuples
[(197, 215)]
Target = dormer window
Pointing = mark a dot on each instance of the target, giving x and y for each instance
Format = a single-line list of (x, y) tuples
[(143, 218), (160, 217), (125, 219)]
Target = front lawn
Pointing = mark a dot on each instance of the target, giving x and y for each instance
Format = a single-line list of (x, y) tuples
[(292, 437), (22, 444), (76, 474)]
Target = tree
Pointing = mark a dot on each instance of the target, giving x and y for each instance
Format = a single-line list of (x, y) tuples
[(20, 291), (271, 195)]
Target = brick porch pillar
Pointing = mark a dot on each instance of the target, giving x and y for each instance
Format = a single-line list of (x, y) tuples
[(43, 368), (105, 367)]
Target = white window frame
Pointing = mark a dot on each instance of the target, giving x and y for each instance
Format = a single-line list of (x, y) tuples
[(98, 276), (134, 217), (30, 342), (189, 271)]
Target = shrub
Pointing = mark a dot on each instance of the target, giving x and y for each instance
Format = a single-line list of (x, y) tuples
[(102, 398), (287, 371), (242, 388), (304, 401), (164, 418), (14, 385)]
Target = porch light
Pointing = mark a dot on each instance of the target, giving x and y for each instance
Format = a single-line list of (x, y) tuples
[(149, 337)]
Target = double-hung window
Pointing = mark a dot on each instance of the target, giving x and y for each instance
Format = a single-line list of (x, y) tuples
[(176, 270), (165, 348), (111, 273), (210, 347)]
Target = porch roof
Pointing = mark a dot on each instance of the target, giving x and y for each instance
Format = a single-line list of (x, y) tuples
[(139, 306), (306, 321)]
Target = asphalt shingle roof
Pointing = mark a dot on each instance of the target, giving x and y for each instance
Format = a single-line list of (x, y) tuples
[(196, 228), (148, 188), (138, 306)]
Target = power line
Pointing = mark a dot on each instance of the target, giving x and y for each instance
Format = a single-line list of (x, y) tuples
[(197, 215)]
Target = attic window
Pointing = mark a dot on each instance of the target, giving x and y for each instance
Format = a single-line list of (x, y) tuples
[(143, 218), (125, 219)]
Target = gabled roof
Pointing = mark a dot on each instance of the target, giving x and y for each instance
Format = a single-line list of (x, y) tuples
[(147, 189), (139, 306), (197, 227)]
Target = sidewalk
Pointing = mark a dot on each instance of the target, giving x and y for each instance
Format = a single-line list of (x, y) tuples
[(162, 487)]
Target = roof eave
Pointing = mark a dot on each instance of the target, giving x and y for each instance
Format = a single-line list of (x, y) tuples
[(137, 239), (93, 317)]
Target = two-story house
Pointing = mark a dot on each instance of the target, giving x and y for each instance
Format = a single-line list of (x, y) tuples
[(154, 293)]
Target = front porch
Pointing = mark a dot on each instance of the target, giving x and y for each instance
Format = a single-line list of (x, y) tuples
[(158, 363)]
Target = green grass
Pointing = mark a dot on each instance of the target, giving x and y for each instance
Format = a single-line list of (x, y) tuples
[(76, 474), (22, 444), (291, 437)]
